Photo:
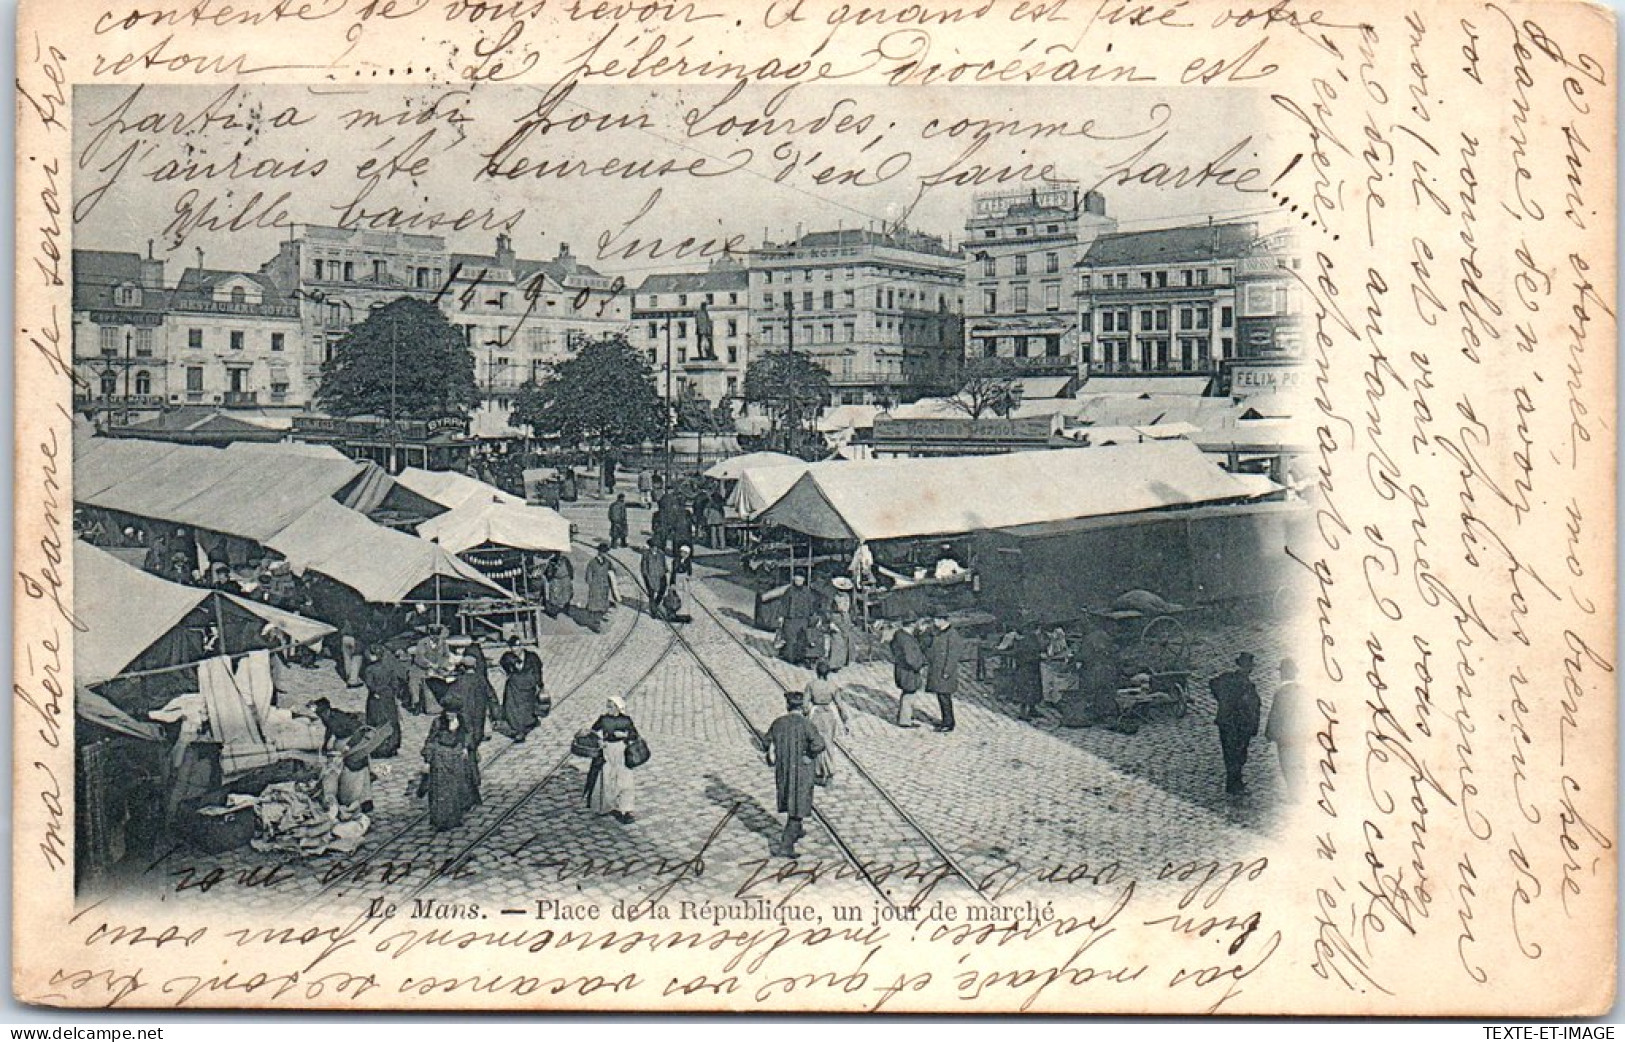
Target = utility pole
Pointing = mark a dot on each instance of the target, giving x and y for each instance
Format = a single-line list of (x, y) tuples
[(394, 422), (792, 418), (128, 339), (671, 406)]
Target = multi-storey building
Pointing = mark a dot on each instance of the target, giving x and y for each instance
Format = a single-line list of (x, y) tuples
[(1021, 246), (235, 342), (520, 316), (1162, 301), (336, 276), (119, 349), (881, 311), (700, 321), (1269, 310)]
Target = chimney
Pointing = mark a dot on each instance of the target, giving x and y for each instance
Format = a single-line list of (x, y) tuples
[(200, 258), (504, 255), (149, 249)]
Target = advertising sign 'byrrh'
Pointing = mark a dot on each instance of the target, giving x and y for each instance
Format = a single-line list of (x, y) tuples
[(1057, 506)]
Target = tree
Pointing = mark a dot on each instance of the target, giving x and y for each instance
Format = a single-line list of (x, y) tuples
[(793, 388), (990, 387), (602, 396), (405, 361)]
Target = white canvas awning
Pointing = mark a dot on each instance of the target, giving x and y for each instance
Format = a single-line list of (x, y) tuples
[(730, 468), (513, 525), (912, 498), (125, 611), (761, 487), (382, 565), (451, 489)]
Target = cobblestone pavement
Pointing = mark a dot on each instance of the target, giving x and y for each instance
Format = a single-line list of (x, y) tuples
[(1012, 804)]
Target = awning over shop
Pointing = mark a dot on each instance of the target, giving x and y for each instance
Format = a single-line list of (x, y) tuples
[(382, 565), (126, 611), (912, 498), (451, 489), (731, 468), (513, 525)]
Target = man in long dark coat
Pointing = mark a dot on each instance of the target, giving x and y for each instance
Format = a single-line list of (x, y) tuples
[(470, 693), (793, 745), (600, 587), (1237, 717), (384, 675), (947, 650)]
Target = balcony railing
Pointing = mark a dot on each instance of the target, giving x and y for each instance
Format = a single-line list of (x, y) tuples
[(118, 401), (240, 399)]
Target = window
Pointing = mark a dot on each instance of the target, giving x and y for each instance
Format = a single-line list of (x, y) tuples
[(1162, 280), (279, 389), (1145, 321), (319, 268), (1021, 347), (991, 233), (682, 330), (829, 332), (143, 382), (806, 300), (1227, 317), (1021, 299), (654, 330), (1108, 321), (127, 295), (1201, 277), (1189, 277), (768, 277), (1187, 318), (109, 385), (194, 378), (1122, 280), (1083, 283), (733, 356), (278, 341), (789, 299), (1086, 322), (349, 271), (378, 270), (1225, 275), (733, 385), (1052, 297), (107, 339), (236, 340), (1052, 263), (143, 343), (1021, 263), (733, 298), (829, 300), (1052, 346), (733, 327), (1203, 317), (849, 299), (849, 332), (829, 274), (1162, 320), (1021, 231), (194, 339), (990, 266), (990, 301), (891, 299), (806, 334), (806, 275), (682, 300), (1145, 280)]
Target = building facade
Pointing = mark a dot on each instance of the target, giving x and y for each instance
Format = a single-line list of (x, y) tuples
[(1270, 304), (120, 350), (1021, 248), (1162, 301), (235, 342), (701, 322), (521, 316), (335, 276), (883, 312)]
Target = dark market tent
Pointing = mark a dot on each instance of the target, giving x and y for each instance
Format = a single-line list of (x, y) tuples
[(912, 498), (516, 526), (382, 565), (128, 614)]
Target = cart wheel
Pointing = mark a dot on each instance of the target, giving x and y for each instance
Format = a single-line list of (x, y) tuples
[(1165, 645)]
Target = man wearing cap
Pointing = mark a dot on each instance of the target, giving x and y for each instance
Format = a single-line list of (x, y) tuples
[(656, 575), (942, 658), (617, 521), (793, 745), (800, 604), (1237, 717), (600, 576)]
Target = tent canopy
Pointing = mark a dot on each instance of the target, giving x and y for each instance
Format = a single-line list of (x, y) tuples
[(761, 487), (380, 564), (125, 611), (731, 468), (912, 498), (451, 489), (513, 525), (307, 449)]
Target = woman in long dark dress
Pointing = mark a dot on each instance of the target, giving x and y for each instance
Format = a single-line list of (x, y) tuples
[(521, 691), (610, 787), (560, 584), (385, 677), (452, 789)]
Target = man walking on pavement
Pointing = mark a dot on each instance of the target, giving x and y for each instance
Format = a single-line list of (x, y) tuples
[(617, 521), (1237, 717), (942, 670), (793, 745), (656, 576)]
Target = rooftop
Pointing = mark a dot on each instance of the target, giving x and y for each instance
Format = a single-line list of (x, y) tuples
[(1186, 244)]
